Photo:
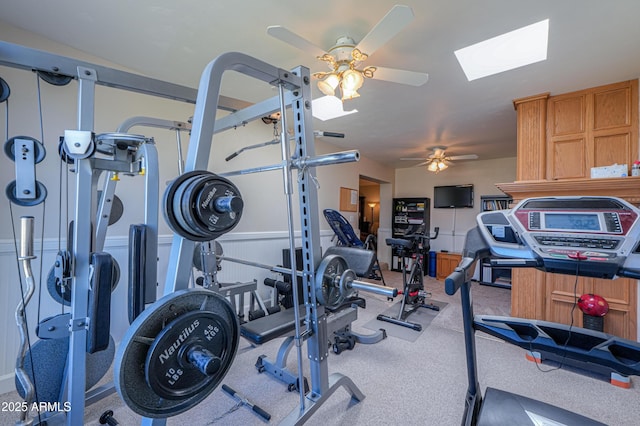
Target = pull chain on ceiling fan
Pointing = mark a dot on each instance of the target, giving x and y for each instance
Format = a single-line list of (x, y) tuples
[(345, 57)]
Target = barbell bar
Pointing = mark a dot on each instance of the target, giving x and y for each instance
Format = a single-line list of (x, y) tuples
[(334, 280)]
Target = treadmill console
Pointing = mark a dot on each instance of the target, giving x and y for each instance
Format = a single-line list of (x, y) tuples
[(589, 236)]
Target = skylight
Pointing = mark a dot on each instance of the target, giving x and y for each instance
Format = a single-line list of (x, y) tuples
[(329, 107), (524, 46)]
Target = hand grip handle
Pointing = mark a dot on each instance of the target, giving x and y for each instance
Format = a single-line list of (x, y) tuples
[(261, 413), (231, 157), (26, 237)]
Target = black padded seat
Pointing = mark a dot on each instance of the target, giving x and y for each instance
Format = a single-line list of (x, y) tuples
[(264, 329), (399, 242), (359, 261)]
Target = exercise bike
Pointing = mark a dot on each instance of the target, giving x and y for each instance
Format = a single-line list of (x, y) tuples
[(413, 293)]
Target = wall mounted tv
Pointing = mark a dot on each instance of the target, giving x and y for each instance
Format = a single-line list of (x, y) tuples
[(453, 196)]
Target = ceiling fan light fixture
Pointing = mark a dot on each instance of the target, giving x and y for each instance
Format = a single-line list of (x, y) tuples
[(437, 165), (349, 94), (351, 80), (328, 85)]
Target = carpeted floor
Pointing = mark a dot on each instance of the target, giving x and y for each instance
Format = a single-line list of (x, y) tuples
[(405, 383)]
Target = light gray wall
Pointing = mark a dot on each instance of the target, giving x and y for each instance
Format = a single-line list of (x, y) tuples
[(259, 237), (454, 223)]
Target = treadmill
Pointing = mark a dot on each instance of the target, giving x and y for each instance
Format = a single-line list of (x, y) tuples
[(586, 236)]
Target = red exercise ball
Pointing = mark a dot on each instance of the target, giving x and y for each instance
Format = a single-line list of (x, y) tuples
[(594, 305)]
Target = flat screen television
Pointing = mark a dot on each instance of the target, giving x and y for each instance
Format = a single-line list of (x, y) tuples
[(453, 196)]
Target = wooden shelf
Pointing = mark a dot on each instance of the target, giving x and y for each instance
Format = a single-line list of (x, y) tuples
[(627, 188)]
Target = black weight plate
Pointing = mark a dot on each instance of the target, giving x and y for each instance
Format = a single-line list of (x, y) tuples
[(202, 205), (55, 290), (5, 91), (168, 207), (41, 195), (49, 365), (167, 369), (54, 79), (328, 281), (197, 255), (183, 213), (39, 150), (130, 380), (117, 208)]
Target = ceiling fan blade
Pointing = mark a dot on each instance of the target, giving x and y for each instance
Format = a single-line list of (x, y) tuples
[(391, 24), (400, 76), (413, 159), (423, 163), (463, 157), (283, 34)]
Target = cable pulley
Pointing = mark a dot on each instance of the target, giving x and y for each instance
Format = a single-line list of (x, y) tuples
[(26, 152), (5, 91)]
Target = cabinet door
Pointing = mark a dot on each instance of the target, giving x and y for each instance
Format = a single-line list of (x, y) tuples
[(567, 136), (620, 294), (562, 293), (592, 128)]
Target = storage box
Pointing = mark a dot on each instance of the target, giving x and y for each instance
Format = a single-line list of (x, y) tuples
[(615, 170)]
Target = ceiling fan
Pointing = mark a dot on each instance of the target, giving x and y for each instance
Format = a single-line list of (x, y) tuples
[(346, 56), (439, 160)]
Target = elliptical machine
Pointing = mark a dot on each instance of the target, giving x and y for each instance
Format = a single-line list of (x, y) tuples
[(413, 293)]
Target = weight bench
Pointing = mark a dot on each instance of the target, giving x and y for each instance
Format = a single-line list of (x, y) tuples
[(339, 320)]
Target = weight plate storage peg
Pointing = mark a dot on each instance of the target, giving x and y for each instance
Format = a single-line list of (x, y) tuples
[(176, 352), (201, 206)]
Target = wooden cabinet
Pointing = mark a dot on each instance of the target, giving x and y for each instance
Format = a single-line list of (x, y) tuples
[(446, 263), (592, 128), (560, 138)]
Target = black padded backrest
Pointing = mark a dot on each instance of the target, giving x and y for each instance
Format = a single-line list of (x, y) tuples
[(360, 261)]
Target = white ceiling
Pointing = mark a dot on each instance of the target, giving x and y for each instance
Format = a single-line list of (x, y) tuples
[(591, 42)]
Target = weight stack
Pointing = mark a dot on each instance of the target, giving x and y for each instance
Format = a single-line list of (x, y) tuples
[(592, 322)]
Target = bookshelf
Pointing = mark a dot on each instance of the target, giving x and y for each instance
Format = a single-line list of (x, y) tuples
[(496, 277), (495, 202)]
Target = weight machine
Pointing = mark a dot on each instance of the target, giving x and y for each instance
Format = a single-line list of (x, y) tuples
[(88, 216), (204, 315)]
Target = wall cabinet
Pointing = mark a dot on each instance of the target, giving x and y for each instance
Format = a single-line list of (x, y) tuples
[(592, 128), (559, 139), (446, 263)]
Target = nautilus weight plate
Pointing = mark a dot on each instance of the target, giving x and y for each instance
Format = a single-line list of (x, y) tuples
[(330, 284), (201, 206), (176, 352)]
